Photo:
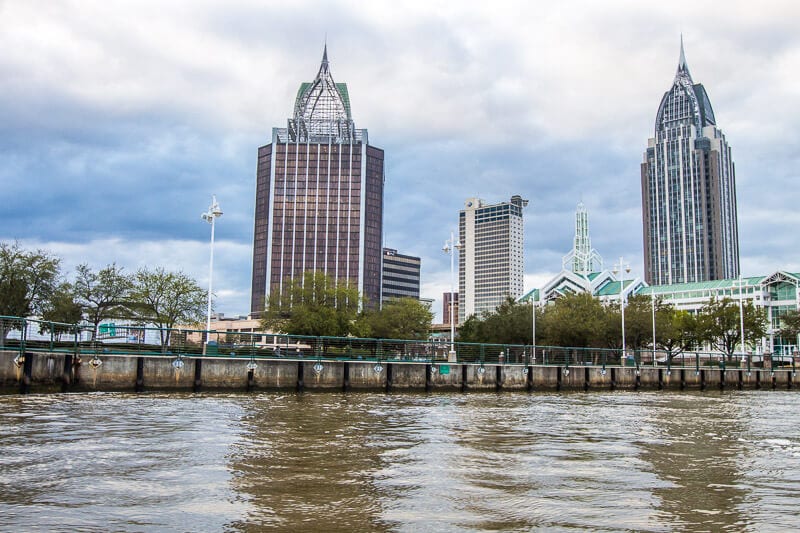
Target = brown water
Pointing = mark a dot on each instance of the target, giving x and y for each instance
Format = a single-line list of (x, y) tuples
[(375, 462)]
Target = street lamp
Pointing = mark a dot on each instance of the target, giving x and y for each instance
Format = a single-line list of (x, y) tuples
[(653, 301), (450, 247), (741, 314), (533, 327), (618, 269), (213, 213)]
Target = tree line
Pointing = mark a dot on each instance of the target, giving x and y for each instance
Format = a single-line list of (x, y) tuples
[(581, 320), (32, 284), (319, 305)]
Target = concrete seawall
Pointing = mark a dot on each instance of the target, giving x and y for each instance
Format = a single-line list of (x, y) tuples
[(50, 372)]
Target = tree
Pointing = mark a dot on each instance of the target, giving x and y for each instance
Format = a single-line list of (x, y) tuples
[(509, 323), (790, 325), (27, 280), (676, 330), (102, 294), (575, 320), (62, 311), (315, 305), (401, 318), (639, 321), (165, 299), (720, 324)]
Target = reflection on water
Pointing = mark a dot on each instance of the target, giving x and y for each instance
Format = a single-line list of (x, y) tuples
[(375, 462)]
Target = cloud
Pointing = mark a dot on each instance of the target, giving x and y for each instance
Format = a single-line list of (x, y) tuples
[(120, 120)]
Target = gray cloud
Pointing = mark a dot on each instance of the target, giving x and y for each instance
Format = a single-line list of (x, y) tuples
[(120, 120)]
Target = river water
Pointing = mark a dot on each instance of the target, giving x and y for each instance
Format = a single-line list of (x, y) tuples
[(619, 461)]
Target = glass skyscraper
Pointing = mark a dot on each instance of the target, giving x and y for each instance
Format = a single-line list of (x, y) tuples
[(319, 197), (688, 190)]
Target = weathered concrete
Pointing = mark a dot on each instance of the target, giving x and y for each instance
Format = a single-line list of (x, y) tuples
[(46, 372)]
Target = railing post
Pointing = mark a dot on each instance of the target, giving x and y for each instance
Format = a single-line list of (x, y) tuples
[(23, 335)]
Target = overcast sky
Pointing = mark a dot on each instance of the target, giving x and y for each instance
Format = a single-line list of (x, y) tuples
[(119, 120)]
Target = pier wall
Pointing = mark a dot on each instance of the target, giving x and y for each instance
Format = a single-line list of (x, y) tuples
[(50, 372)]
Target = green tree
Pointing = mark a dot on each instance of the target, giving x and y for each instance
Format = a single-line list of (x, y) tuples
[(575, 320), (62, 310), (315, 305), (676, 330), (639, 321), (509, 323), (401, 318), (720, 324), (27, 280), (166, 299), (102, 294), (790, 325)]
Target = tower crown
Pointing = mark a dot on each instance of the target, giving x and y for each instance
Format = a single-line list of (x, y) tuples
[(685, 103), (322, 108)]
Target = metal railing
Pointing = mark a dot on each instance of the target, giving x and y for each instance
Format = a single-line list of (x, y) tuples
[(26, 334)]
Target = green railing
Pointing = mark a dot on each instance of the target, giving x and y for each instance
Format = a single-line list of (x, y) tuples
[(25, 334)]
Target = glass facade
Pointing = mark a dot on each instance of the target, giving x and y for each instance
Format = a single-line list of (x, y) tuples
[(688, 191)]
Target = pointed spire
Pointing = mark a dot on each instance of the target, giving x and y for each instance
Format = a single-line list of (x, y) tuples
[(324, 66), (683, 68)]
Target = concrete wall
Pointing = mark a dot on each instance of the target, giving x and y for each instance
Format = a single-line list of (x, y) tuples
[(46, 372)]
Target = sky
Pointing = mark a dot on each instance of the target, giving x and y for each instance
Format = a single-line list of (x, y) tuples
[(119, 120)]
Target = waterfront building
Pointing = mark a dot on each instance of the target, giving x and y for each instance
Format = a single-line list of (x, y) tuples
[(581, 269), (775, 293), (688, 190), (401, 275), (319, 196), (490, 260)]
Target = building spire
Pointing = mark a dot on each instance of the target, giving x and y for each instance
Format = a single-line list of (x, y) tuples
[(324, 66), (683, 68)]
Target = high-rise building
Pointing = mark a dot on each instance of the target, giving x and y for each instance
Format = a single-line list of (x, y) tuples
[(319, 196), (449, 302), (400, 275), (490, 260), (688, 190)]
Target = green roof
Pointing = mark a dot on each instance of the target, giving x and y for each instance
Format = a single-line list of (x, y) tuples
[(612, 288), (702, 285), (340, 87), (527, 296)]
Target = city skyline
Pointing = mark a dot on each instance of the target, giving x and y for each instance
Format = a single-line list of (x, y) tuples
[(115, 137)]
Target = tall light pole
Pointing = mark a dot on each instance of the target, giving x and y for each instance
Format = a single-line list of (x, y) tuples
[(653, 301), (741, 313), (533, 326), (450, 247), (213, 213), (619, 268)]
